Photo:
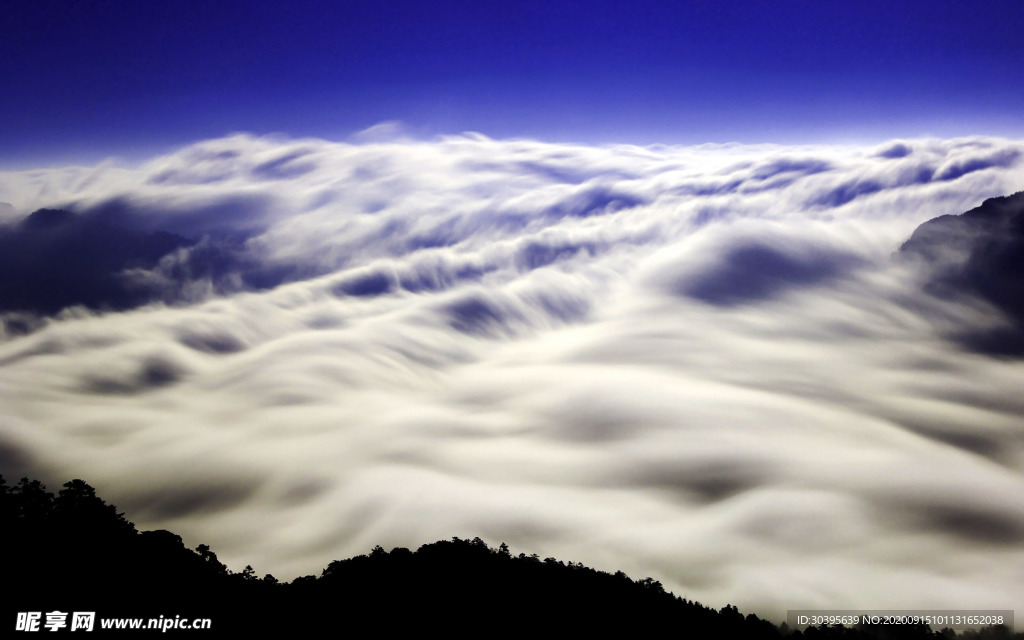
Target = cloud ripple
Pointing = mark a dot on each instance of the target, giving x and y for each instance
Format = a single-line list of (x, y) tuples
[(701, 364)]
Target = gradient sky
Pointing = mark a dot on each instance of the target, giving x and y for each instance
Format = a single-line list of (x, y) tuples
[(83, 81), (700, 363)]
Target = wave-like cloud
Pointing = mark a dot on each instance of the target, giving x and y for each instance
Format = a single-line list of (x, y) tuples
[(700, 364)]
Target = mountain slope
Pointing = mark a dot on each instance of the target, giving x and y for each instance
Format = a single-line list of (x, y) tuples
[(978, 254)]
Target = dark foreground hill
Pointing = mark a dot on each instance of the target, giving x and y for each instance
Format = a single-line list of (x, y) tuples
[(74, 553)]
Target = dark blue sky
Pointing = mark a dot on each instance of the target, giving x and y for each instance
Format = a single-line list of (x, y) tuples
[(85, 80)]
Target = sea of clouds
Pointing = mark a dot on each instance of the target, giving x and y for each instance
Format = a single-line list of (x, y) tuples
[(701, 364)]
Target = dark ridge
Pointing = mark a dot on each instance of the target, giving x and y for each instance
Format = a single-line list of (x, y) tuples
[(995, 216), (978, 254), (74, 552), (55, 259), (47, 219)]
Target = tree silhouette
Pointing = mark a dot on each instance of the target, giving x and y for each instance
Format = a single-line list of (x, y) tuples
[(77, 502), (76, 552)]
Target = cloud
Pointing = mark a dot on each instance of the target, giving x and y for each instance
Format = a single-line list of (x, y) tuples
[(701, 364), (739, 267), (388, 131), (969, 163)]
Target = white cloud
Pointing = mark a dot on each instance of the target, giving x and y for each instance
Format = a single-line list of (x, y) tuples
[(697, 364)]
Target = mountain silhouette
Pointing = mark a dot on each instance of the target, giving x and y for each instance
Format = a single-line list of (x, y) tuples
[(74, 552), (55, 259), (978, 254)]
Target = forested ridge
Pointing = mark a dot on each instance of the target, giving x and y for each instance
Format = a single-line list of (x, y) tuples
[(74, 552)]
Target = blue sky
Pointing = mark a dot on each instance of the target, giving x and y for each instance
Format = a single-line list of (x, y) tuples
[(83, 81), (701, 364)]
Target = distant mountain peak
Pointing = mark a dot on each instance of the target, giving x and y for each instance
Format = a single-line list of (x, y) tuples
[(57, 258), (979, 253), (1000, 205), (47, 219)]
